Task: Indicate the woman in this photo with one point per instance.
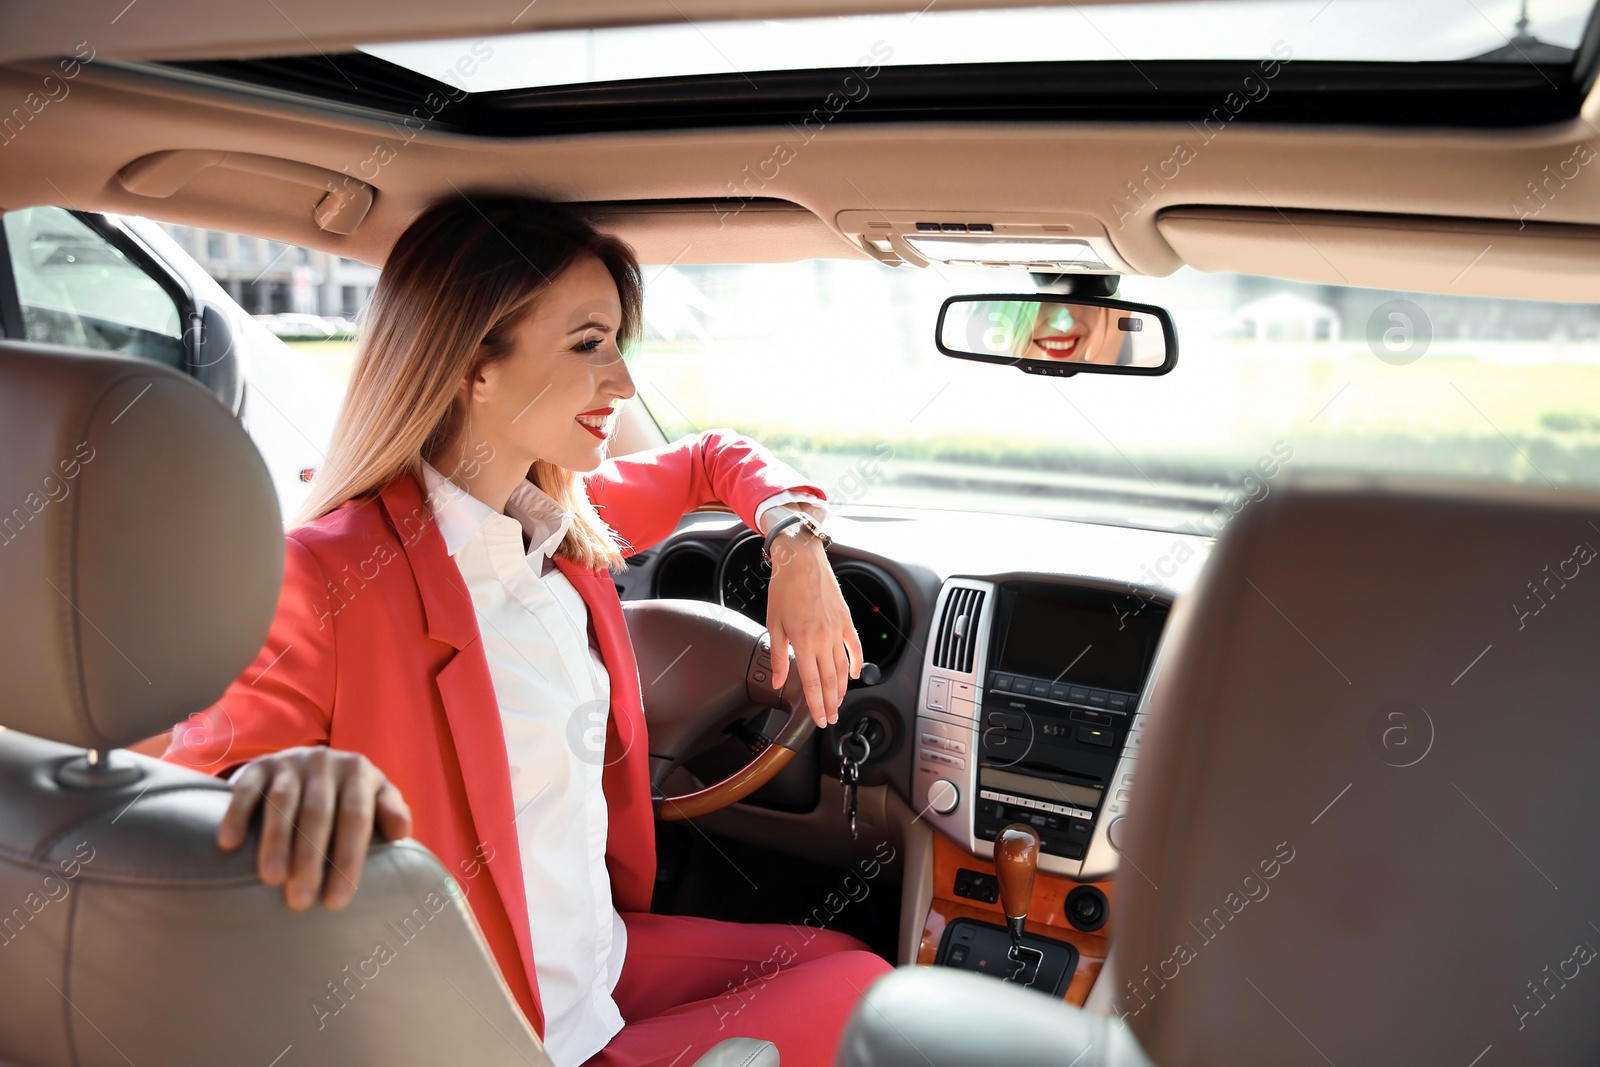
(448, 626)
(1073, 333)
(1064, 333)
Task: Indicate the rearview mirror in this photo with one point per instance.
(1058, 335)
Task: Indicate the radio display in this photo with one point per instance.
(1078, 636)
(1028, 785)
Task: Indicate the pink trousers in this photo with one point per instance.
(688, 983)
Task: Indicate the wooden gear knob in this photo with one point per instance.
(1016, 860)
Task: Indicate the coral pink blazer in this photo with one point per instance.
(375, 649)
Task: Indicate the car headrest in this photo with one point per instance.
(1363, 819)
(141, 546)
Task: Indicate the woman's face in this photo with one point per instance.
(554, 397)
(1072, 333)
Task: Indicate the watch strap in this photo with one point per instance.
(797, 517)
(777, 528)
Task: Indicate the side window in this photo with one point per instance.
(76, 288)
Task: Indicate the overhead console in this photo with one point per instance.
(1056, 242)
(1029, 712)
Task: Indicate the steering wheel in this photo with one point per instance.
(701, 666)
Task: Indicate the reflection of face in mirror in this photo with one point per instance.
(1073, 333)
(1035, 332)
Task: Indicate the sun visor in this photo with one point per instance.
(1467, 257)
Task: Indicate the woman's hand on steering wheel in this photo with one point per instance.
(806, 609)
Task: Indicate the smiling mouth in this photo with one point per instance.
(595, 422)
(1060, 347)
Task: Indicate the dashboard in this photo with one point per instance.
(1030, 713)
(1014, 655)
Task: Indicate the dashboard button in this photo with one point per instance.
(1118, 702)
(1099, 697)
(1115, 832)
(1041, 688)
(1000, 681)
(1058, 691)
(939, 694)
(1095, 735)
(962, 691)
(1079, 693)
(943, 796)
(1007, 720)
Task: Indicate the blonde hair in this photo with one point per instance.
(462, 277)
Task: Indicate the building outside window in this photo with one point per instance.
(268, 277)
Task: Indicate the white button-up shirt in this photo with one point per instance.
(547, 676)
(553, 691)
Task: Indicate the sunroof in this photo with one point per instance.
(1382, 31)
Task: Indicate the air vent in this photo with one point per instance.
(958, 629)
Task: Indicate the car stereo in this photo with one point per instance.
(1030, 713)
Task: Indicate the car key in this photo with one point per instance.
(854, 749)
(849, 773)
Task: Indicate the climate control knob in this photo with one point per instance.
(943, 796)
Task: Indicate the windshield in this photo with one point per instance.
(832, 364)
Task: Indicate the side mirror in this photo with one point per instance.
(1058, 335)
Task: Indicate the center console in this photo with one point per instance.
(1029, 712)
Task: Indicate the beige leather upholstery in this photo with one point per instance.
(140, 582)
(1362, 827)
(142, 549)
(1398, 687)
(936, 1017)
(128, 934)
(740, 1052)
(134, 594)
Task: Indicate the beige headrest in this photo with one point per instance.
(141, 548)
(1363, 826)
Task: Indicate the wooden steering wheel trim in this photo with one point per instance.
(797, 729)
(732, 789)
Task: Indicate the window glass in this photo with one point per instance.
(1488, 31)
(832, 364)
(78, 289)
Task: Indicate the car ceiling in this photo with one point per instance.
(1427, 208)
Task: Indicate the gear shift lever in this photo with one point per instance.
(1016, 861)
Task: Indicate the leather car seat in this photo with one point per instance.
(1363, 824)
(141, 554)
